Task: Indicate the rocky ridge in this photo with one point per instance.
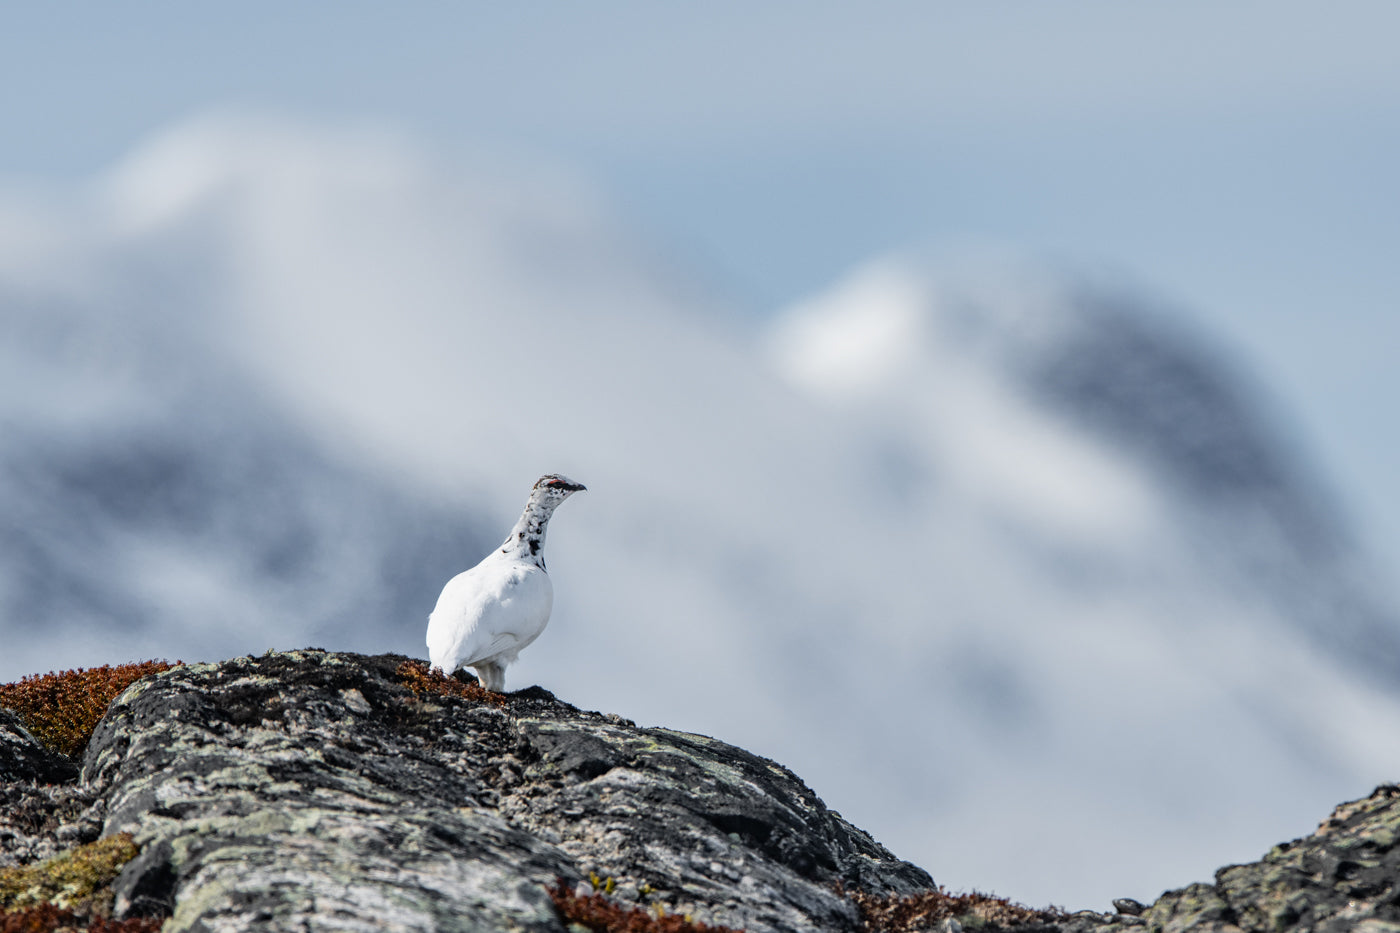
(315, 790)
(309, 788)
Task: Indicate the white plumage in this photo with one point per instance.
(487, 614)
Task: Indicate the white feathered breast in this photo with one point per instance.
(492, 610)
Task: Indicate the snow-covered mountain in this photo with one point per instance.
(1132, 587)
(1109, 434)
(1019, 575)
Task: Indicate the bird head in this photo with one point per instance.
(554, 487)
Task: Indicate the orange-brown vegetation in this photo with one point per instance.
(922, 911)
(601, 914)
(62, 709)
(46, 918)
(422, 679)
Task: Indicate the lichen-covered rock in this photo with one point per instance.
(40, 817)
(39, 821)
(310, 789)
(1345, 876)
(23, 758)
(313, 790)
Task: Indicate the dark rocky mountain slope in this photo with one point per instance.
(312, 790)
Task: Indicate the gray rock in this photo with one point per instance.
(22, 758)
(39, 816)
(38, 821)
(1345, 876)
(308, 789)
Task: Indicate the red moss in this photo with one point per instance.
(422, 679)
(62, 709)
(46, 918)
(602, 914)
(922, 911)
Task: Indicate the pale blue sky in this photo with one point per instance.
(1237, 158)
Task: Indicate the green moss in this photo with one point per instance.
(69, 879)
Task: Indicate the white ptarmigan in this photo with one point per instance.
(485, 615)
